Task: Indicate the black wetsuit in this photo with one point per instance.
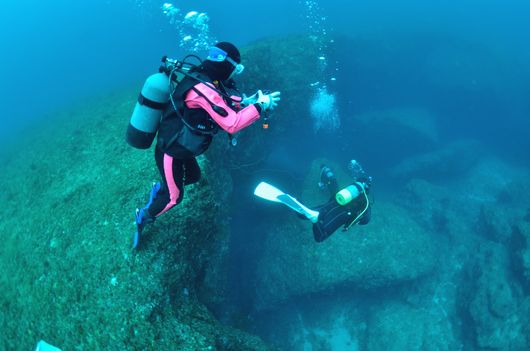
(332, 215)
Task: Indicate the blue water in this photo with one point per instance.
(57, 52)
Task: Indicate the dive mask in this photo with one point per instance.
(219, 55)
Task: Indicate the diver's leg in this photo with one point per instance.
(328, 180)
(172, 189)
(192, 171)
(164, 195)
(333, 187)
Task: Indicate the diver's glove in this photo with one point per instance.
(269, 101)
(249, 100)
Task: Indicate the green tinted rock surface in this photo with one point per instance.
(402, 327)
(68, 273)
(498, 312)
(391, 250)
(453, 159)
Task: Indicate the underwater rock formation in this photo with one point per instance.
(280, 63)
(452, 160)
(391, 250)
(495, 225)
(409, 124)
(498, 312)
(397, 326)
(481, 220)
(69, 275)
(520, 246)
(368, 131)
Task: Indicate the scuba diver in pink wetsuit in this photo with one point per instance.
(186, 107)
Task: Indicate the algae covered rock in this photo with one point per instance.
(413, 124)
(288, 64)
(495, 307)
(68, 273)
(520, 251)
(495, 223)
(391, 250)
(397, 326)
(392, 126)
(430, 204)
(487, 201)
(452, 160)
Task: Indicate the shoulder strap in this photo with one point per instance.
(218, 109)
(359, 215)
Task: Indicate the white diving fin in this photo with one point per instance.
(44, 346)
(271, 193)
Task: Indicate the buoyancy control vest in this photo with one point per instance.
(185, 132)
(161, 109)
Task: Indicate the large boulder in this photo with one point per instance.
(391, 250)
(280, 63)
(397, 326)
(416, 125)
(455, 159)
(511, 210)
(486, 200)
(69, 275)
(388, 128)
(499, 191)
(495, 222)
(428, 203)
(496, 307)
(493, 180)
(520, 251)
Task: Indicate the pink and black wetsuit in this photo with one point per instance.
(186, 131)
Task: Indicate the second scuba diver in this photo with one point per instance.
(345, 208)
(204, 101)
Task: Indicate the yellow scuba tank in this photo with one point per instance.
(346, 195)
(148, 111)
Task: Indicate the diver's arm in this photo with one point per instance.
(204, 97)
